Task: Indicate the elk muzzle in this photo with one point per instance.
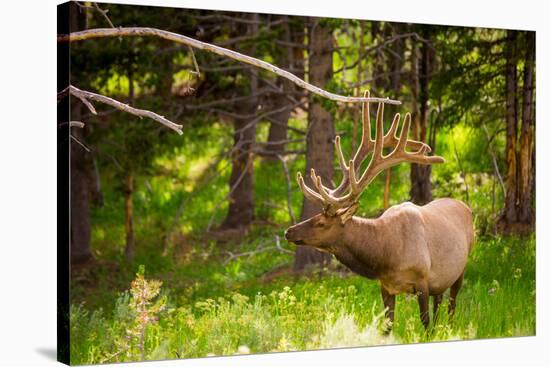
(291, 236)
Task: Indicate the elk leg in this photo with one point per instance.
(389, 304)
(424, 303)
(437, 301)
(454, 291)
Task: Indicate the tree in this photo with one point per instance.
(319, 149)
(518, 214)
(395, 63)
(509, 214)
(422, 58)
(81, 166)
(240, 212)
(526, 200)
(292, 40)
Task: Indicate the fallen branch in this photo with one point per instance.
(85, 96)
(145, 31)
(258, 250)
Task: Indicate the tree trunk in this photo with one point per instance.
(240, 212)
(358, 91)
(395, 66)
(525, 198)
(509, 214)
(80, 195)
(129, 217)
(279, 125)
(320, 148)
(421, 186)
(379, 81)
(396, 61)
(80, 169)
(387, 186)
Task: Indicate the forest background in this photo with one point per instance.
(205, 212)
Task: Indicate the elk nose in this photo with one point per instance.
(286, 234)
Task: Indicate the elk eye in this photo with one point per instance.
(320, 224)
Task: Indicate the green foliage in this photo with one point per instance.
(202, 297)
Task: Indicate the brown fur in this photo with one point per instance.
(411, 249)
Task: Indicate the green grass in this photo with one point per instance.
(219, 307)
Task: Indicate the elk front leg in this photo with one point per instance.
(424, 302)
(389, 304)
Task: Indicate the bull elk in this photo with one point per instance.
(413, 249)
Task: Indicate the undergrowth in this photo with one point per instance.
(226, 308)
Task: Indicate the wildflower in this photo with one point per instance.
(243, 349)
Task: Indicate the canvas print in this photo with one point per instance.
(233, 183)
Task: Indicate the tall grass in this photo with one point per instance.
(213, 304)
(228, 309)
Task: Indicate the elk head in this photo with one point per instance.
(324, 230)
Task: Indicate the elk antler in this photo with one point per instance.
(333, 200)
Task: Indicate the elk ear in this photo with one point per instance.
(346, 213)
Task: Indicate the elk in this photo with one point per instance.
(419, 250)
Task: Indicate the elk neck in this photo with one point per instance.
(362, 249)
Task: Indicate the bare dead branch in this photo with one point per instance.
(80, 143)
(85, 96)
(104, 13)
(76, 124)
(144, 31)
(494, 159)
(280, 142)
(239, 20)
(273, 121)
(227, 101)
(195, 64)
(384, 45)
(96, 7)
(288, 190)
(268, 153)
(72, 124)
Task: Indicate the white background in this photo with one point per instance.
(28, 181)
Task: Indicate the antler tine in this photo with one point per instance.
(398, 155)
(379, 134)
(366, 141)
(392, 132)
(341, 158)
(308, 193)
(334, 199)
(377, 157)
(418, 156)
(323, 190)
(324, 194)
(340, 154)
(402, 141)
(362, 151)
(352, 178)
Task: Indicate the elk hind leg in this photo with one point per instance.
(389, 304)
(454, 292)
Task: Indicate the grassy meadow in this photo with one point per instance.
(189, 294)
